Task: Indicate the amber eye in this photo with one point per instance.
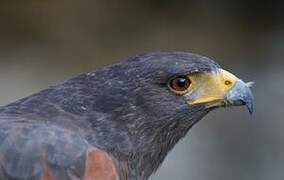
(180, 83)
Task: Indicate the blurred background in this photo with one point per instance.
(43, 42)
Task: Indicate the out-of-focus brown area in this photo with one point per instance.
(43, 42)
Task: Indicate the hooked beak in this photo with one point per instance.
(217, 89)
(240, 95)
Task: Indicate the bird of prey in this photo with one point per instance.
(114, 123)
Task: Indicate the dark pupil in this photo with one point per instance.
(181, 82)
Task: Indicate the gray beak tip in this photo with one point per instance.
(241, 95)
(250, 107)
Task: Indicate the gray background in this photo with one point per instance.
(45, 41)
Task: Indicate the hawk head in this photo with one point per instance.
(150, 101)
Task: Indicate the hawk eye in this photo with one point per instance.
(180, 83)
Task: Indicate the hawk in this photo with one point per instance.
(114, 123)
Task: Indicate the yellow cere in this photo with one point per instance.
(210, 87)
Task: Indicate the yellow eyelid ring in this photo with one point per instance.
(220, 88)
